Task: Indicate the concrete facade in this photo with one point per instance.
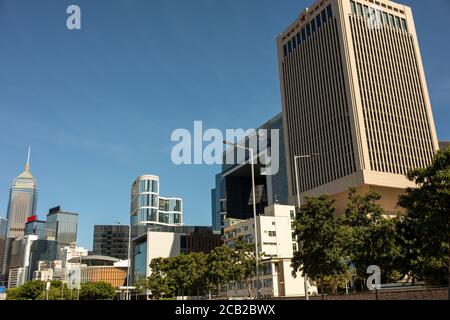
(276, 241)
(353, 90)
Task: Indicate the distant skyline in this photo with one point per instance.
(98, 105)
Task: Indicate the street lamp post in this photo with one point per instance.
(254, 209)
(128, 266)
(297, 186)
(79, 279)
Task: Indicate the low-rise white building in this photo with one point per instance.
(17, 277)
(277, 242)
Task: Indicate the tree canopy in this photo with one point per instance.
(424, 229)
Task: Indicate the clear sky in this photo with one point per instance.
(98, 105)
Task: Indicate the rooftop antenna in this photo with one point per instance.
(27, 166)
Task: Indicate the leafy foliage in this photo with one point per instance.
(320, 255)
(200, 273)
(369, 236)
(97, 291)
(35, 290)
(424, 230)
(32, 290)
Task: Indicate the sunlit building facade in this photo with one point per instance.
(354, 91)
(61, 226)
(21, 205)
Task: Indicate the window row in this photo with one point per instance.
(170, 205)
(148, 200)
(379, 17)
(308, 30)
(148, 186)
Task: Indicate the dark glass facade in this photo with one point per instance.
(140, 261)
(232, 196)
(35, 227)
(111, 241)
(62, 227)
(42, 250)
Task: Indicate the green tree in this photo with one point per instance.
(97, 291)
(320, 255)
(13, 294)
(159, 282)
(243, 263)
(424, 229)
(369, 236)
(32, 290)
(197, 270)
(220, 268)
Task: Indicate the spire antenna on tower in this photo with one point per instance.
(27, 166)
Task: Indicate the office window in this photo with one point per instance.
(404, 26)
(385, 19)
(303, 34)
(378, 16)
(318, 23)
(397, 22)
(324, 16)
(329, 11)
(366, 11)
(308, 31)
(299, 39)
(353, 5)
(313, 25)
(289, 47)
(359, 9)
(391, 20)
(294, 43)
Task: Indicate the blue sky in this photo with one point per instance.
(98, 105)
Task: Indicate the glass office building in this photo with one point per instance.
(140, 261)
(111, 241)
(62, 227)
(42, 250)
(232, 195)
(149, 207)
(35, 227)
(21, 205)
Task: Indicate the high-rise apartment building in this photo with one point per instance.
(22, 204)
(148, 207)
(111, 241)
(61, 226)
(354, 91)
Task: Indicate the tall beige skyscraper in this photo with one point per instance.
(353, 90)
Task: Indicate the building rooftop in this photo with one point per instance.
(95, 260)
